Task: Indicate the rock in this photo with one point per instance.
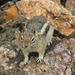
(70, 5)
(62, 20)
(66, 57)
(21, 64)
(61, 73)
(2, 48)
(68, 71)
(11, 13)
(55, 61)
(58, 1)
(44, 68)
(15, 71)
(12, 54)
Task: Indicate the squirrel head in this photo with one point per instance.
(28, 38)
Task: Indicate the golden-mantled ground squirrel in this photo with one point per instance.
(36, 36)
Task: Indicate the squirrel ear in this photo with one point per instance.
(24, 29)
(33, 31)
(36, 33)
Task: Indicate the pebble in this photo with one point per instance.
(12, 54)
(2, 48)
(61, 73)
(68, 71)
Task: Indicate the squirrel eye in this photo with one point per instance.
(32, 40)
(21, 38)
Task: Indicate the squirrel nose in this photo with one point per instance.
(26, 46)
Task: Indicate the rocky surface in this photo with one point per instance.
(62, 19)
(7, 32)
(15, 71)
(70, 5)
(57, 1)
(59, 59)
(9, 14)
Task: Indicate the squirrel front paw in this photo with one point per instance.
(26, 62)
(39, 60)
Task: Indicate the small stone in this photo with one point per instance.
(66, 57)
(25, 69)
(68, 71)
(52, 60)
(2, 48)
(61, 73)
(6, 52)
(57, 64)
(4, 64)
(58, 49)
(46, 60)
(7, 59)
(12, 54)
(18, 49)
(44, 68)
(21, 64)
(58, 58)
(74, 55)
